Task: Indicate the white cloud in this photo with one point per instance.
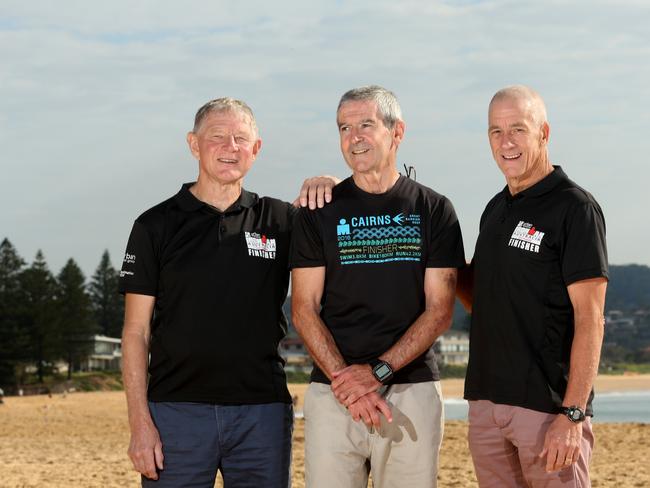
(95, 102)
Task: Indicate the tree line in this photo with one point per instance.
(45, 318)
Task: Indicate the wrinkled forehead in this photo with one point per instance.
(228, 116)
(511, 108)
(352, 110)
(525, 108)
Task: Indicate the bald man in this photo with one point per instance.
(536, 288)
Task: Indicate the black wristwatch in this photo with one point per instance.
(381, 370)
(574, 413)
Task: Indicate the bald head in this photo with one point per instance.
(518, 133)
(529, 98)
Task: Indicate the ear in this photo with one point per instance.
(193, 143)
(546, 131)
(398, 134)
(256, 148)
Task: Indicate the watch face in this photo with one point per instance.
(382, 371)
(575, 414)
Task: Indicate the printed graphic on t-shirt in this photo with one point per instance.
(370, 239)
(526, 237)
(260, 245)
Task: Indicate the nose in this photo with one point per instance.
(506, 140)
(230, 142)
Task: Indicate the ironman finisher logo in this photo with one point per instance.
(260, 245)
(526, 237)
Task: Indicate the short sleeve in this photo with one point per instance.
(306, 241)
(584, 250)
(445, 247)
(140, 266)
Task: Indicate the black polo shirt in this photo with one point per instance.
(220, 279)
(529, 249)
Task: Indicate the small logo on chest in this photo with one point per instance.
(526, 237)
(260, 245)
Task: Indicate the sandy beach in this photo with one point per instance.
(80, 441)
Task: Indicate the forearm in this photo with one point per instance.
(318, 339)
(439, 290)
(418, 338)
(585, 355)
(135, 353)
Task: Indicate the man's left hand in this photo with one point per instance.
(351, 383)
(316, 191)
(369, 408)
(562, 443)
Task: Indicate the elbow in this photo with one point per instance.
(295, 317)
(446, 323)
(303, 315)
(298, 316)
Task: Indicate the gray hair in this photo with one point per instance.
(225, 104)
(387, 104)
(526, 94)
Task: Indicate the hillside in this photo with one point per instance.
(627, 335)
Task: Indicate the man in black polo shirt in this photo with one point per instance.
(205, 275)
(381, 260)
(539, 276)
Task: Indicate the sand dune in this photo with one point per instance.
(81, 441)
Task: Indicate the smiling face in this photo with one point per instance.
(368, 146)
(518, 137)
(225, 144)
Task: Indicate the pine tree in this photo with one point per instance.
(107, 303)
(74, 315)
(38, 294)
(13, 337)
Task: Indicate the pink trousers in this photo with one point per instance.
(505, 443)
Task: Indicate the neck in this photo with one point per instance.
(376, 181)
(541, 171)
(219, 195)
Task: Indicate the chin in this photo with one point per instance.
(511, 171)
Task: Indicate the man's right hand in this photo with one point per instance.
(368, 408)
(316, 192)
(145, 449)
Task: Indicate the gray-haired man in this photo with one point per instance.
(205, 275)
(381, 259)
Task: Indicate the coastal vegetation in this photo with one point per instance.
(47, 322)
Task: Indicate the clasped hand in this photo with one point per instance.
(355, 387)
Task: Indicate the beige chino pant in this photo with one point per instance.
(340, 452)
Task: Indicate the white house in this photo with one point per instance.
(452, 347)
(106, 354)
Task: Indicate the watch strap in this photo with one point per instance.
(574, 413)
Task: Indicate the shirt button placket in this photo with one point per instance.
(222, 227)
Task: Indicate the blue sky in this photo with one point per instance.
(96, 99)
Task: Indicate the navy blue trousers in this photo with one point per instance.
(249, 444)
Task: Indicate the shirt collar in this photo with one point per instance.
(188, 202)
(545, 185)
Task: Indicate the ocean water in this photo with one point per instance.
(629, 406)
